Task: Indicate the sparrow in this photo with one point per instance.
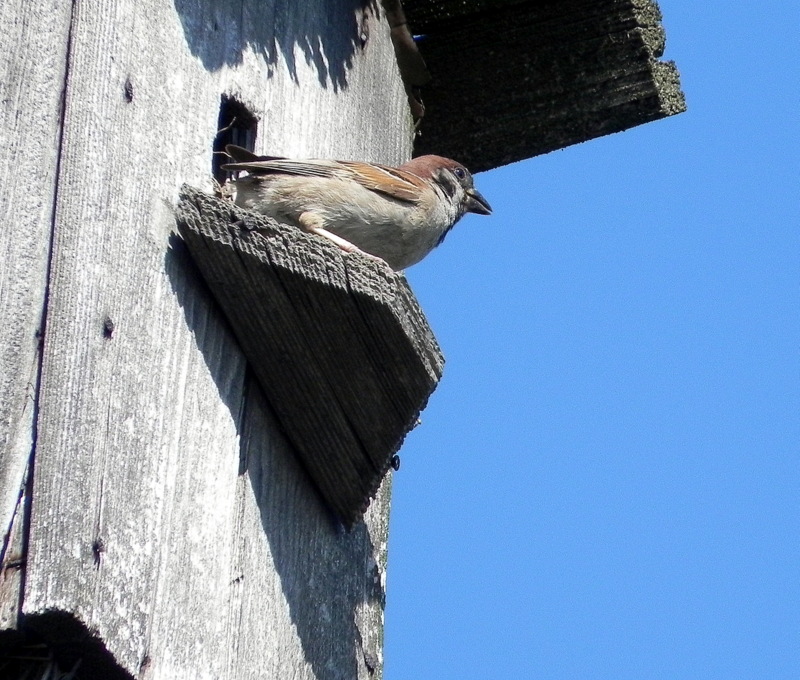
(398, 215)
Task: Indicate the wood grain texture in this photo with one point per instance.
(12, 567)
(32, 66)
(532, 77)
(143, 493)
(338, 343)
(298, 580)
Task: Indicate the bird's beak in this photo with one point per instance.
(477, 203)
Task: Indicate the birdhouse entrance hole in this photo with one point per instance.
(236, 126)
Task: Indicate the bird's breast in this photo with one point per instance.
(399, 232)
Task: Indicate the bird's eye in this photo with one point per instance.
(460, 173)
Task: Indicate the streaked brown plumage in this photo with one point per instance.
(396, 214)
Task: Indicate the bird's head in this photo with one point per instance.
(452, 180)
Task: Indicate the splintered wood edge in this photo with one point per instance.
(375, 290)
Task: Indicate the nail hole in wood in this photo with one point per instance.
(128, 90)
(108, 328)
(98, 548)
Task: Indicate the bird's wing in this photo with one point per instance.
(391, 182)
(243, 159)
(285, 166)
(241, 155)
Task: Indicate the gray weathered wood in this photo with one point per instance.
(324, 586)
(149, 529)
(511, 79)
(12, 566)
(33, 37)
(338, 343)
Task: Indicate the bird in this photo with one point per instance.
(397, 215)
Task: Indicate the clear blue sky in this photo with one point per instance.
(605, 484)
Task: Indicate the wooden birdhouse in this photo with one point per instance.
(200, 407)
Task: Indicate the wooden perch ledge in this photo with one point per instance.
(337, 342)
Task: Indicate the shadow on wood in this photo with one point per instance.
(338, 343)
(286, 544)
(329, 35)
(56, 644)
(329, 577)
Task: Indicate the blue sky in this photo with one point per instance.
(605, 483)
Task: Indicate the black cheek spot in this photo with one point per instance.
(445, 181)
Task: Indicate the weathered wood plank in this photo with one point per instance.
(140, 494)
(532, 77)
(324, 587)
(12, 566)
(338, 343)
(33, 36)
